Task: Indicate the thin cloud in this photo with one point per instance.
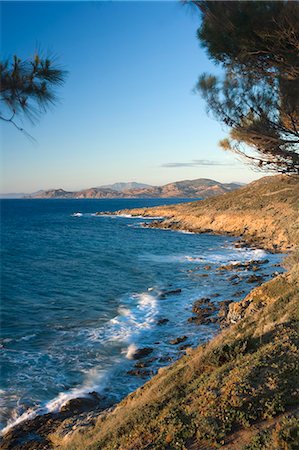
(196, 163)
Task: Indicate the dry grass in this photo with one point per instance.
(266, 211)
(245, 381)
(247, 374)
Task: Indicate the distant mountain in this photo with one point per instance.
(200, 188)
(120, 187)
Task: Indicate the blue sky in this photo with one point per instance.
(127, 111)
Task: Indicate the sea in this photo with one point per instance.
(81, 293)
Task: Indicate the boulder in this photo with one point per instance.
(162, 321)
(142, 352)
(82, 404)
(199, 320)
(178, 340)
(255, 279)
(165, 293)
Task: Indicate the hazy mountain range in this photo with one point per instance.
(200, 188)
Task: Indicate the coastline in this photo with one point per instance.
(87, 408)
(263, 213)
(234, 314)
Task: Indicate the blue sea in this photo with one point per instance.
(80, 293)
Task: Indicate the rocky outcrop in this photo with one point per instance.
(263, 213)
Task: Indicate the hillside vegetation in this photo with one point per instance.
(239, 391)
(265, 211)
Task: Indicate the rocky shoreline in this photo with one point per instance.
(263, 214)
(276, 231)
(83, 412)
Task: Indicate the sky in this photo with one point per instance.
(127, 111)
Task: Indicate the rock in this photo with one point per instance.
(213, 319)
(162, 321)
(199, 320)
(178, 340)
(81, 404)
(142, 352)
(140, 373)
(170, 292)
(223, 309)
(255, 279)
(206, 310)
(215, 295)
(196, 308)
(240, 244)
(183, 347)
(233, 277)
(238, 293)
(143, 364)
(261, 261)
(165, 359)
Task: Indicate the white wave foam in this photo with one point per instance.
(130, 351)
(124, 328)
(131, 216)
(77, 214)
(95, 381)
(186, 232)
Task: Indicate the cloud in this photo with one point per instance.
(196, 163)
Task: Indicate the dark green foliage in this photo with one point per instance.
(27, 87)
(258, 98)
(227, 352)
(283, 436)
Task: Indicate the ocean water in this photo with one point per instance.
(81, 292)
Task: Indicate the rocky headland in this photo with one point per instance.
(264, 212)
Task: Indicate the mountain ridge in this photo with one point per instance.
(199, 188)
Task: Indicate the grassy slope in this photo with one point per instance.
(241, 389)
(266, 210)
(246, 375)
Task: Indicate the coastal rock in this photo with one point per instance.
(224, 309)
(178, 340)
(196, 308)
(142, 352)
(165, 293)
(162, 321)
(183, 347)
(233, 277)
(255, 279)
(140, 373)
(82, 404)
(238, 293)
(143, 364)
(165, 359)
(200, 320)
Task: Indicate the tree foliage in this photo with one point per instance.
(257, 44)
(27, 88)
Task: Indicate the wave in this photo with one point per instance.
(136, 314)
(96, 380)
